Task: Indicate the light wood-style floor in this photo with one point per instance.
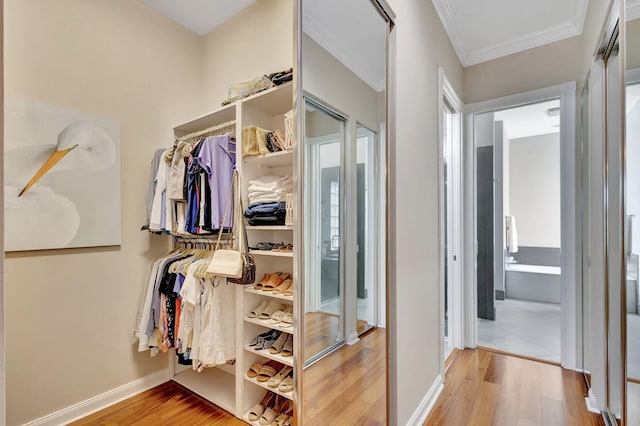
(348, 388)
(168, 404)
(320, 332)
(486, 388)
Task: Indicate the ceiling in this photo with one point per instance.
(479, 30)
(529, 120)
(489, 29)
(199, 16)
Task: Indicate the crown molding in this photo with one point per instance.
(632, 10)
(335, 47)
(445, 13)
(528, 41)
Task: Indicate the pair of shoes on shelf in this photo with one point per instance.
(282, 317)
(265, 340)
(267, 335)
(266, 246)
(270, 282)
(272, 410)
(265, 310)
(283, 345)
(285, 288)
(283, 381)
(286, 248)
(264, 372)
(277, 380)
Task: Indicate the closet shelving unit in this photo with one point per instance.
(228, 386)
(266, 112)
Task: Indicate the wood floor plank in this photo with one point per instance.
(348, 388)
(487, 388)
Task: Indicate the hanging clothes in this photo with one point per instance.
(191, 186)
(182, 309)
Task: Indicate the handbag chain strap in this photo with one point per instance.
(226, 207)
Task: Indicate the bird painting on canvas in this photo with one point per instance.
(47, 184)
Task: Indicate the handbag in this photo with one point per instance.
(248, 261)
(226, 262)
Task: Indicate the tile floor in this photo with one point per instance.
(524, 328)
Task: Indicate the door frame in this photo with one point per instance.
(569, 222)
(455, 303)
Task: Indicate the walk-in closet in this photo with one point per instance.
(205, 138)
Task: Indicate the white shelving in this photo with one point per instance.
(288, 395)
(269, 228)
(227, 386)
(271, 253)
(270, 294)
(213, 384)
(271, 161)
(265, 323)
(287, 360)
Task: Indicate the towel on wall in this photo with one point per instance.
(512, 234)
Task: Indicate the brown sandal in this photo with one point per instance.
(262, 282)
(283, 286)
(268, 370)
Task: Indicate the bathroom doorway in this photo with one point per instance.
(450, 201)
(519, 233)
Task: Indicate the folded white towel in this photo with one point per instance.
(271, 182)
(284, 190)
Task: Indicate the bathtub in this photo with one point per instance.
(532, 282)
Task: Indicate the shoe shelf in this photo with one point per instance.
(271, 253)
(287, 360)
(265, 323)
(270, 294)
(288, 395)
(270, 228)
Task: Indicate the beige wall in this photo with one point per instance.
(256, 41)
(70, 313)
(328, 79)
(422, 45)
(544, 66)
(633, 44)
(532, 69)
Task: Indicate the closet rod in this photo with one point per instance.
(226, 237)
(229, 125)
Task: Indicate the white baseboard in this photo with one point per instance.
(99, 402)
(424, 408)
(592, 404)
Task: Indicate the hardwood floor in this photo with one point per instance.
(167, 404)
(348, 387)
(486, 388)
(320, 332)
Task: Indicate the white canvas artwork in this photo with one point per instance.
(62, 177)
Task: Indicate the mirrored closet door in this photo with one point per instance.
(632, 204)
(342, 101)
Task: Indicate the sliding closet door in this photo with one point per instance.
(324, 304)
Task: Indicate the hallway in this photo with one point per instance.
(485, 388)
